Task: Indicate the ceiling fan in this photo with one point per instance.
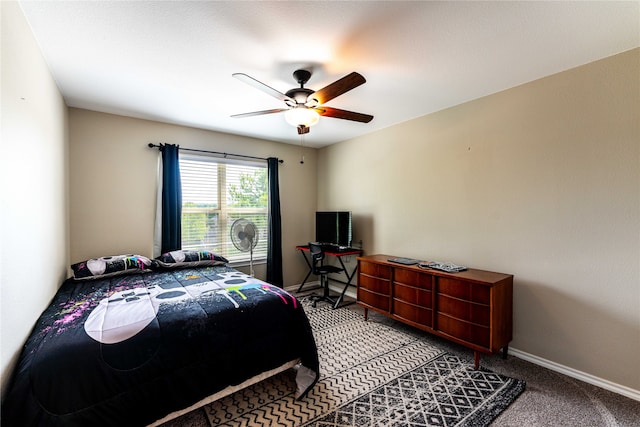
(305, 106)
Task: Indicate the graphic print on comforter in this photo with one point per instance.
(124, 314)
(155, 340)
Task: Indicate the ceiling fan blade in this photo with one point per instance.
(263, 87)
(338, 87)
(259, 113)
(344, 114)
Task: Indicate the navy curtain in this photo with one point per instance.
(274, 251)
(171, 199)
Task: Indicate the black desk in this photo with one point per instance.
(335, 252)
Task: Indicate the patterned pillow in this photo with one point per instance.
(187, 258)
(108, 266)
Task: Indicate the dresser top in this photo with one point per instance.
(471, 274)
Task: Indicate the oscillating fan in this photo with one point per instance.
(244, 236)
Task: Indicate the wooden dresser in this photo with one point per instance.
(472, 307)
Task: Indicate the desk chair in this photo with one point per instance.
(317, 257)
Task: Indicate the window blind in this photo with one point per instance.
(215, 193)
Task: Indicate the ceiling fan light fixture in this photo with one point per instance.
(301, 116)
(305, 106)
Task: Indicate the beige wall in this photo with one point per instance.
(541, 181)
(112, 176)
(33, 219)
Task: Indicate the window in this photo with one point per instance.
(216, 192)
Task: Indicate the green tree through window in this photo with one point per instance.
(194, 224)
(252, 191)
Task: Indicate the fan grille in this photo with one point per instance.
(244, 235)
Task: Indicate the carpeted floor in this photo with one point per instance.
(373, 374)
(551, 399)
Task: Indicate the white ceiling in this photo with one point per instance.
(172, 61)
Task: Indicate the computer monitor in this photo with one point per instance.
(334, 228)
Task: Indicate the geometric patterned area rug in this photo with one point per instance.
(371, 375)
(442, 392)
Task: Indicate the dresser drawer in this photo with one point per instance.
(373, 299)
(464, 310)
(412, 295)
(376, 270)
(412, 278)
(375, 284)
(465, 331)
(464, 290)
(413, 313)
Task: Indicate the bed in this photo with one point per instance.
(139, 345)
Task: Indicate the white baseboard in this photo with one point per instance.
(307, 285)
(351, 292)
(574, 373)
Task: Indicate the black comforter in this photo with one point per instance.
(129, 350)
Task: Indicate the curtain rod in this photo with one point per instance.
(151, 145)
